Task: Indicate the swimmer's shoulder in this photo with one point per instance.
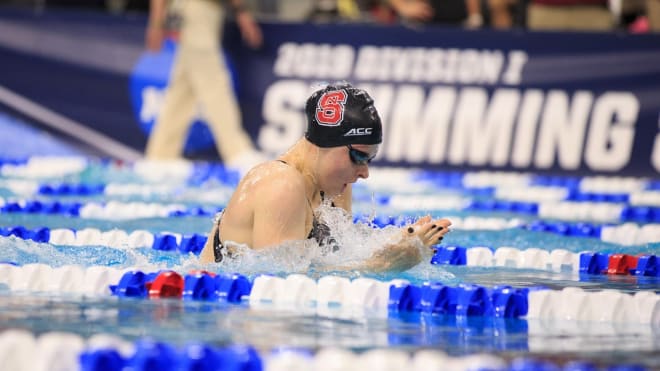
(275, 176)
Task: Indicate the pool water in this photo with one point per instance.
(180, 199)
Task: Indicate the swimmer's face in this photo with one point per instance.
(344, 165)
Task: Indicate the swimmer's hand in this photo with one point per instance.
(430, 232)
(414, 245)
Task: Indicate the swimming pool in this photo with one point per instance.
(539, 272)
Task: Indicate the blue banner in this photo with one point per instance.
(569, 103)
(454, 99)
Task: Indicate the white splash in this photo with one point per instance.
(349, 245)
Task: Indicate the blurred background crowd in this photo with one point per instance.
(637, 16)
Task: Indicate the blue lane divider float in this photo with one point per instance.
(494, 205)
(202, 173)
(157, 355)
(189, 244)
(101, 360)
(12, 161)
(653, 185)
(62, 350)
(151, 355)
(590, 262)
(74, 209)
(486, 202)
(68, 189)
(165, 242)
(594, 262)
(619, 264)
(37, 235)
(195, 211)
(462, 300)
(201, 285)
(131, 285)
(640, 214)
(440, 179)
(450, 255)
(452, 181)
(565, 229)
(628, 213)
(193, 243)
(231, 288)
(647, 265)
(578, 196)
(381, 221)
(571, 229)
(395, 298)
(43, 207)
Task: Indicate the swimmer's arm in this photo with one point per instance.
(412, 246)
(394, 257)
(279, 213)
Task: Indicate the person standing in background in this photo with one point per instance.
(199, 79)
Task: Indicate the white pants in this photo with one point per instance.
(199, 81)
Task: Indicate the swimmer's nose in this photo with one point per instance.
(363, 171)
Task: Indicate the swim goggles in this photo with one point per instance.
(359, 157)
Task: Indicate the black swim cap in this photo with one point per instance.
(340, 114)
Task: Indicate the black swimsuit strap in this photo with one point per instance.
(217, 243)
